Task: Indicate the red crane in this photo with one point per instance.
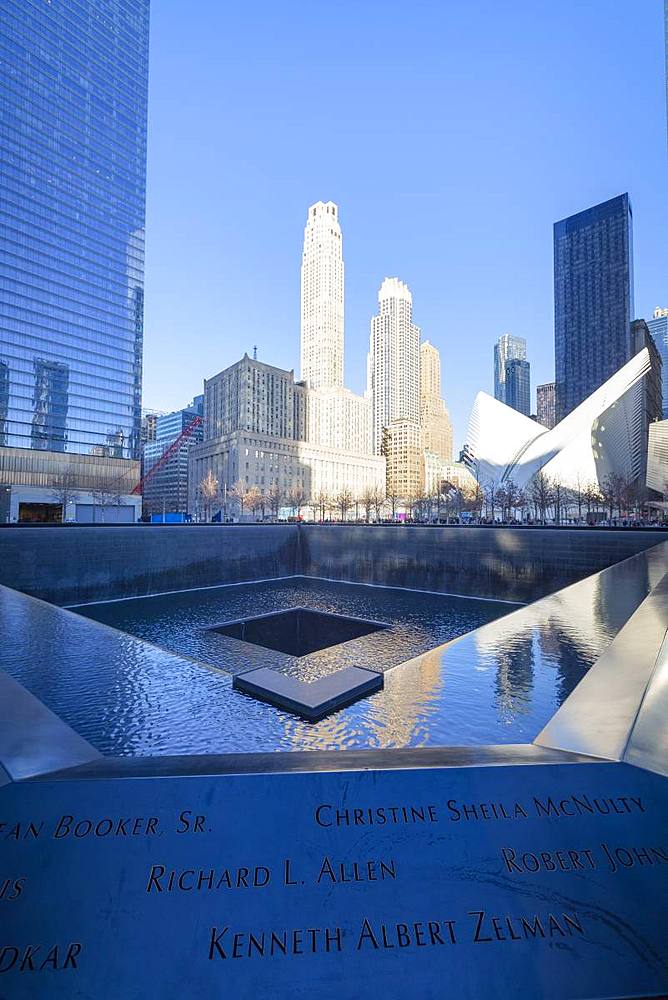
(168, 452)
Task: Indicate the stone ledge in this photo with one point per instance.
(310, 701)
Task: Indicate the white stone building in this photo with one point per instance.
(393, 366)
(322, 298)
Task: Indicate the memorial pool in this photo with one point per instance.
(491, 685)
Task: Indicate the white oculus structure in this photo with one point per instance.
(600, 437)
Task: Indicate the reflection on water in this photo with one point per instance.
(183, 622)
(498, 684)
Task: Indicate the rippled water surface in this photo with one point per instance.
(174, 695)
(183, 623)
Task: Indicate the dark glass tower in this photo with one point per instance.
(593, 299)
(73, 109)
(518, 385)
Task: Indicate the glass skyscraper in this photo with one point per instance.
(506, 348)
(658, 327)
(73, 112)
(593, 299)
(518, 385)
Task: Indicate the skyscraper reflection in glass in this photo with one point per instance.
(593, 299)
(73, 146)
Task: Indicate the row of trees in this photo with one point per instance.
(544, 500)
(548, 499)
(105, 491)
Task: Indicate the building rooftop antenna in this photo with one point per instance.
(254, 352)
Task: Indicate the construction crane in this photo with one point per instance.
(168, 452)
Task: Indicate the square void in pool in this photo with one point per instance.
(298, 631)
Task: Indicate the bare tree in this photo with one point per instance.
(238, 493)
(322, 502)
(296, 499)
(344, 501)
(378, 502)
(540, 495)
(208, 491)
(254, 501)
(366, 500)
(106, 491)
(558, 497)
(608, 494)
(65, 491)
(275, 499)
(394, 500)
(490, 493)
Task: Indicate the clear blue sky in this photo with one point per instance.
(451, 133)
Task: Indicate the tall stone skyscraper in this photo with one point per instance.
(393, 365)
(322, 298)
(434, 417)
(507, 348)
(593, 299)
(74, 109)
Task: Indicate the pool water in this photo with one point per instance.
(499, 682)
(188, 623)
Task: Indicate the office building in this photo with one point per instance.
(322, 298)
(593, 299)
(165, 464)
(256, 433)
(149, 425)
(74, 105)
(393, 364)
(545, 403)
(650, 402)
(435, 422)
(506, 349)
(338, 418)
(658, 327)
(518, 385)
(404, 455)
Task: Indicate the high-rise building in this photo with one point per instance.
(593, 299)
(650, 404)
(256, 433)
(393, 366)
(166, 490)
(73, 109)
(338, 418)
(322, 298)
(402, 448)
(545, 412)
(518, 385)
(434, 417)
(149, 424)
(658, 327)
(506, 348)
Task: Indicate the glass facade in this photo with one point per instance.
(658, 327)
(167, 489)
(593, 299)
(518, 385)
(73, 147)
(506, 348)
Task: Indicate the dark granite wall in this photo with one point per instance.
(70, 566)
(75, 565)
(510, 564)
